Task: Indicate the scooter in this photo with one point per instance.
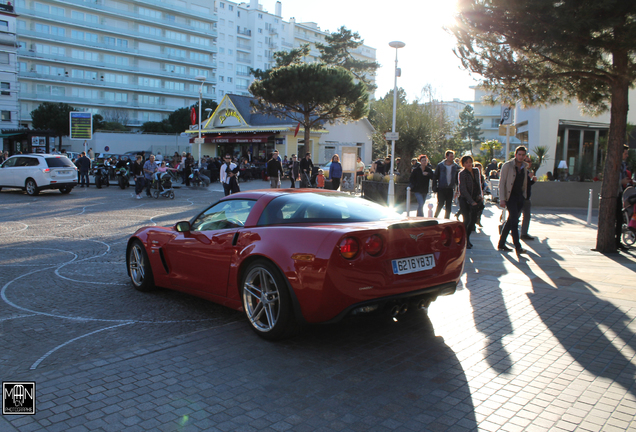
(122, 178)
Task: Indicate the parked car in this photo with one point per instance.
(296, 256)
(36, 172)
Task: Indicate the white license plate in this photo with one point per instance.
(413, 264)
(63, 172)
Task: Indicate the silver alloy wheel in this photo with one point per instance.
(31, 187)
(261, 299)
(136, 265)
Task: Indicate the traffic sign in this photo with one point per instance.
(199, 140)
(392, 136)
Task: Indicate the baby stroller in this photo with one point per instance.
(162, 185)
(629, 202)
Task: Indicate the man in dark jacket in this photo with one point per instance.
(274, 171)
(294, 170)
(84, 165)
(527, 204)
(445, 181)
(419, 181)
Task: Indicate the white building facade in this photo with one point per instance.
(130, 61)
(9, 107)
(248, 37)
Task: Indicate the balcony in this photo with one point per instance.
(243, 47)
(244, 60)
(244, 32)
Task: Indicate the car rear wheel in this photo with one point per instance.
(139, 267)
(266, 301)
(31, 187)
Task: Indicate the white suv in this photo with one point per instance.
(34, 172)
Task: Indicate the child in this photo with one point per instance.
(320, 180)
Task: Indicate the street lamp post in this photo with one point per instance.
(202, 79)
(391, 193)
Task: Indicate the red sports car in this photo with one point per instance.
(287, 257)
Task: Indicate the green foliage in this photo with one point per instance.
(157, 127)
(422, 128)
(468, 126)
(338, 51)
(114, 126)
(310, 94)
(284, 58)
(54, 116)
(490, 147)
(98, 122)
(542, 155)
(179, 120)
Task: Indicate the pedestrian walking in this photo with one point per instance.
(470, 196)
(623, 182)
(306, 165)
(227, 175)
(274, 171)
(419, 181)
(335, 172)
(527, 204)
(294, 170)
(445, 181)
(513, 186)
(137, 170)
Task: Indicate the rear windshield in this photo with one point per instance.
(59, 162)
(323, 207)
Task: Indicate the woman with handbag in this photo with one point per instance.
(470, 196)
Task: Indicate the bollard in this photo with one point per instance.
(430, 210)
(589, 208)
(408, 201)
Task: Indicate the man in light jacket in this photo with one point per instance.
(513, 186)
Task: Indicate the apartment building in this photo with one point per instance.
(9, 107)
(248, 37)
(131, 61)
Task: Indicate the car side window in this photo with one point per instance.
(10, 163)
(223, 215)
(30, 161)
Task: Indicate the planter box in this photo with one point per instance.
(379, 191)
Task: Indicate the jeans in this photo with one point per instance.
(469, 214)
(84, 178)
(525, 224)
(139, 185)
(226, 189)
(444, 198)
(421, 199)
(514, 206)
(148, 183)
(335, 183)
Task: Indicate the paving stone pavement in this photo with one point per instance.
(542, 343)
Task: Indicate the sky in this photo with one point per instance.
(428, 56)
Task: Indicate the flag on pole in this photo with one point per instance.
(193, 116)
(297, 129)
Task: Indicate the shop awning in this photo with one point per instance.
(235, 138)
(5, 135)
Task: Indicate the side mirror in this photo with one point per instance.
(183, 226)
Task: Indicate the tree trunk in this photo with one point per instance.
(610, 191)
(307, 126)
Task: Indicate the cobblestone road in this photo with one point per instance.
(545, 343)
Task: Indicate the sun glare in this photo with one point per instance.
(439, 13)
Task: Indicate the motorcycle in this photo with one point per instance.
(122, 178)
(100, 172)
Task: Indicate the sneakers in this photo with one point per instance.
(526, 237)
(138, 196)
(504, 248)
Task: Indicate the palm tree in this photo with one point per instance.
(542, 155)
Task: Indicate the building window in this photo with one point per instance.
(222, 5)
(4, 58)
(6, 115)
(5, 86)
(230, 7)
(4, 25)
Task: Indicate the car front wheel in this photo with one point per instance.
(31, 187)
(66, 189)
(139, 267)
(267, 302)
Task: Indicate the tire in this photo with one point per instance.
(155, 193)
(122, 183)
(139, 268)
(98, 182)
(31, 187)
(65, 190)
(262, 284)
(171, 195)
(629, 237)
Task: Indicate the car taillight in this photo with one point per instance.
(349, 247)
(446, 235)
(374, 244)
(46, 170)
(458, 234)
